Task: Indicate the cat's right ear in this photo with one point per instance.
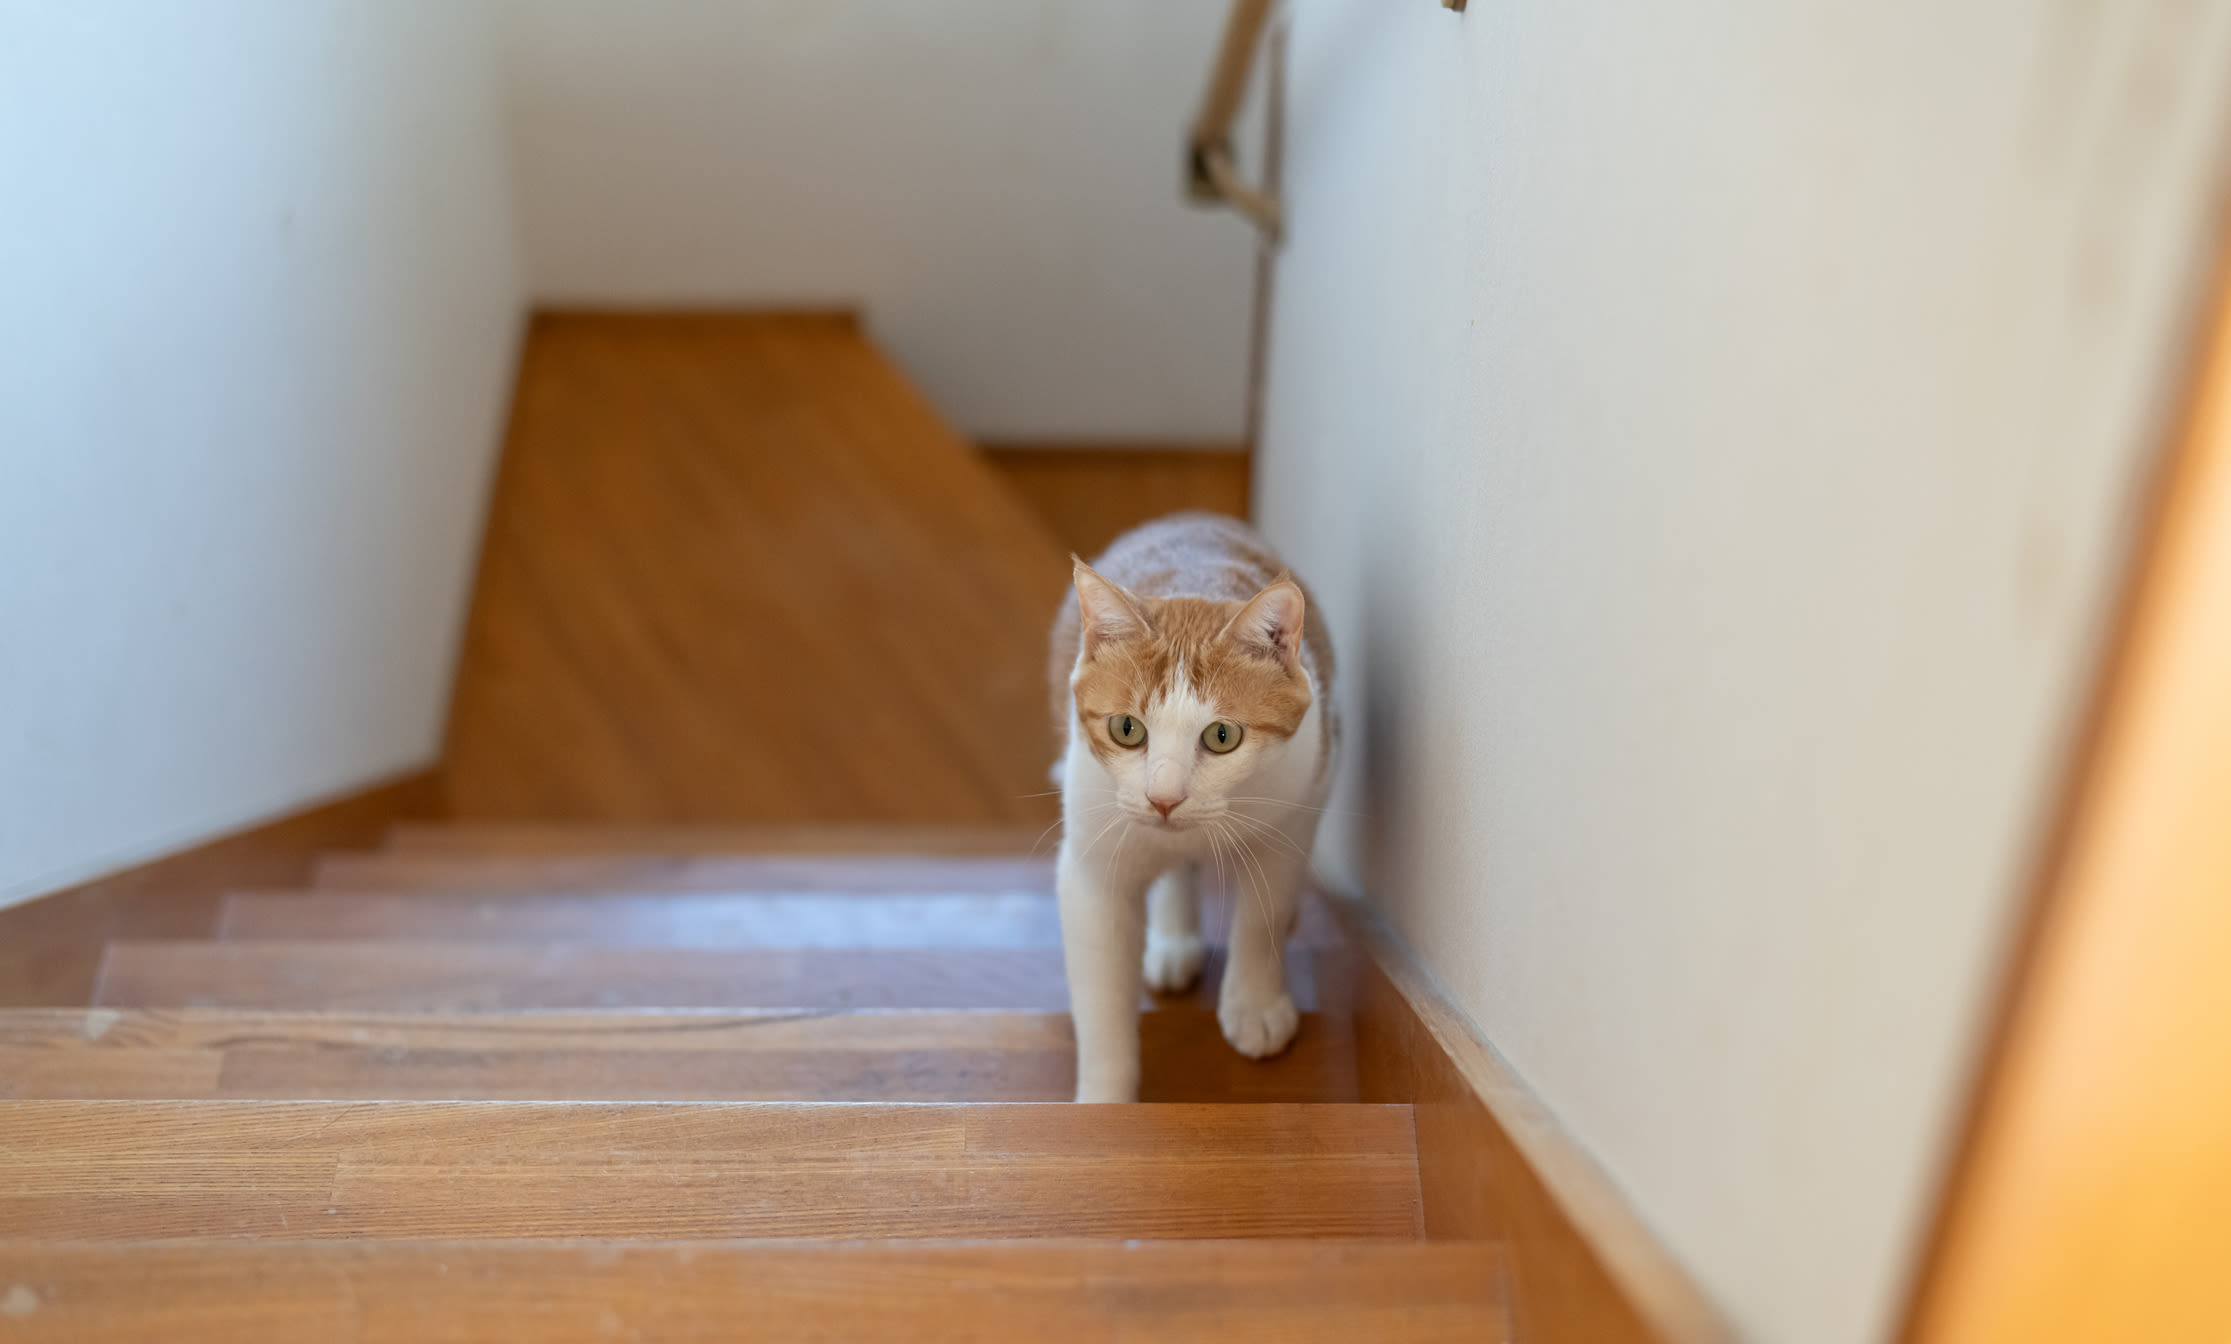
(1106, 611)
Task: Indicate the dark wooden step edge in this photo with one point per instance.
(559, 839)
(635, 1055)
(140, 1171)
(202, 1292)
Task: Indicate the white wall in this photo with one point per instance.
(995, 182)
(1711, 430)
(256, 264)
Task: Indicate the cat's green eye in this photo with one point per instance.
(1221, 737)
(1126, 730)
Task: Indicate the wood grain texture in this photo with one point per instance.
(1090, 495)
(400, 976)
(737, 570)
(500, 839)
(138, 1170)
(702, 919)
(50, 948)
(2091, 1198)
(1494, 1164)
(90, 1054)
(682, 872)
(248, 1292)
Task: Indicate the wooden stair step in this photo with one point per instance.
(683, 872)
(530, 839)
(86, 1054)
(557, 1293)
(736, 568)
(154, 1170)
(695, 919)
(699, 919)
(430, 976)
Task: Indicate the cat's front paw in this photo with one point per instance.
(1259, 1031)
(1173, 964)
(1104, 1087)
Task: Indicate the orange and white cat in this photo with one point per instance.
(1194, 690)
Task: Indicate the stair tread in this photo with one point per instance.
(685, 872)
(498, 839)
(463, 976)
(641, 1055)
(150, 1170)
(698, 919)
(715, 539)
(559, 1292)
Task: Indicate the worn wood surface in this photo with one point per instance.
(434, 976)
(737, 570)
(50, 948)
(774, 1055)
(140, 1170)
(700, 919)
(683, 872)
(499, 839)
(705, 919)
(248, 1292)
(1091, 494)
(1494, 1164)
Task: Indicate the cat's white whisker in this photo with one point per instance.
(1095, 842)
(1260, 892)
(1267, 831)
(1216, 855)
(1288, 802)
(1042, 837)
(1059, 823)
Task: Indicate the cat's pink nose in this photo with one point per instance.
(1163, 805)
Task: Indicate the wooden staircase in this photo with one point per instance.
(509, 1081)
(602, 1029)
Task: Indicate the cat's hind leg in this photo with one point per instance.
(1173, 929)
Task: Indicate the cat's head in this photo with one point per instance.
(1188, 702)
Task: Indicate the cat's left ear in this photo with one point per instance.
(1271, 622)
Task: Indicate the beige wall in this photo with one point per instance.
(994, 182)
(1712, 431)
(257, 272)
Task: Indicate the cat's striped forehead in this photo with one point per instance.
(1188, 575)
(1185, 654)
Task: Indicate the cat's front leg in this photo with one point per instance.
(1103, 932)
(1254, 1008)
